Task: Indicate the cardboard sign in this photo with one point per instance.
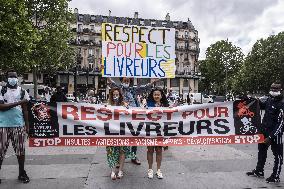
(138, 51)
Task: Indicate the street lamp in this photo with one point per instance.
(226, 72)
(79, 57)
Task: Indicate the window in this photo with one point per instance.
(92, 28)
(185, 56)
(26, 76)
(185, 83)
(175, 82)
(186, 34)
(186, 45)
(91, 52)
(80, 27)
(81, 18)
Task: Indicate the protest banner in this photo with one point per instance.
(83, 124)
(138, 51)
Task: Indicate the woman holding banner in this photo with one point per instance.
(130, 98)
(116, 154)
(156, 98)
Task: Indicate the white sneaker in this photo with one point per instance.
(150, 173)
(113, 176)
(159, 174)
(120, 174)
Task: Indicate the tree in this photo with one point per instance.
(263, 65)
(43, 34)
(17, 35)
(223, 60)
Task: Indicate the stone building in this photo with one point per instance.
(88, 38)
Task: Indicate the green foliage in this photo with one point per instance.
(223, 60)
(263, 65)
(35, 33)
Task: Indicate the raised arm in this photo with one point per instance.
(112, 83)
(146, 88)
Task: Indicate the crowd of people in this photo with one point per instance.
(14, 98)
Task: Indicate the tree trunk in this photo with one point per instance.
(35, 81)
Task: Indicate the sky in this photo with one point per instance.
(243, 22)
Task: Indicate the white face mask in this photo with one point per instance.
(13, 81)
(115, 98)
(275, 93)
(125, 85)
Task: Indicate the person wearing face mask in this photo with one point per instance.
(156, 98)
(130, 98)
(272, 129)
(116, 155)
(14, 121)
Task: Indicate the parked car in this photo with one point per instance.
(219, 98)
(200, 98)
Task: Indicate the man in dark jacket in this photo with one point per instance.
(272, 129)
(58, 96)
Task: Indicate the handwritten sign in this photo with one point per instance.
(138, 51)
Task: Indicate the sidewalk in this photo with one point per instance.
(49, 168)
(187, 167)
(193, 167)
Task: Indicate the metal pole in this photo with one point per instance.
(78, 56)
(226, 80)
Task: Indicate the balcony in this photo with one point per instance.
(182, 38)
(188, 74)
(86, 43)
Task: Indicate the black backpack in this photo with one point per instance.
(4, 91)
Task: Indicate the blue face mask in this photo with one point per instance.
(13, 81)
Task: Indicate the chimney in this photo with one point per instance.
(75, 11)
(168, 17)
(136, 15)
(109, 12)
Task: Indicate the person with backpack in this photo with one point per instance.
(272, 129)
(14, 121)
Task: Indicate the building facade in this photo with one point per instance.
(88, 38)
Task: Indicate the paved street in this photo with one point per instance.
(183, 167)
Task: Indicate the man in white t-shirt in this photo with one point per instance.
(14, 121)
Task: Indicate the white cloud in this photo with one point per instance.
(241, 21)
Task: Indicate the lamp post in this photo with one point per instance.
(79, 57)
(226, 54)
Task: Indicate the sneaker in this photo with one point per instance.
(113, 176)
(136, 161)
(255, 173)
(150, 173)
(272, 179)
(159, 174)
(24, 177)
(120, 174)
